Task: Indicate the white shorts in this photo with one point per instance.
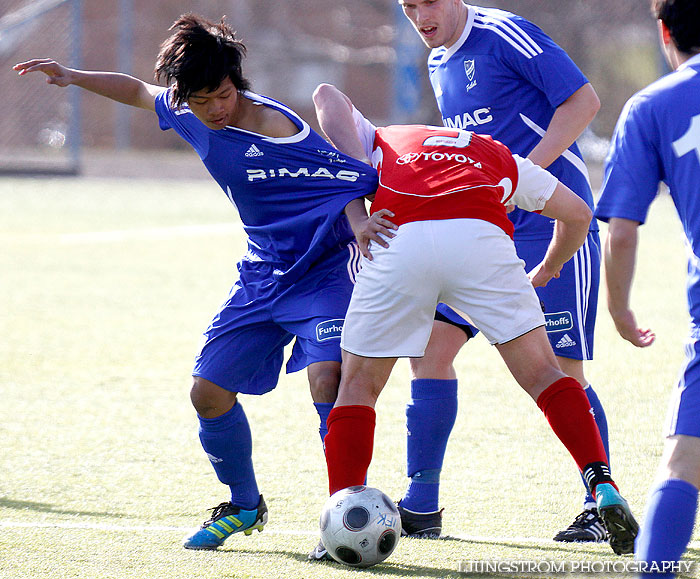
(469, 264)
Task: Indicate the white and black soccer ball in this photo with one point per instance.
(360, 526)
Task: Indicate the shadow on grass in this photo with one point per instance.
(386, 569)
(49, 508)
(389, 568)
(549, 548)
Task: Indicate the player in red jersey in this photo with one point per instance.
(449, 240)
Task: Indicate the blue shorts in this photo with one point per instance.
(684, 409)
(569, 302)
(244, 344)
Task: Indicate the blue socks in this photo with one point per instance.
(602, 422)
(229, 446)
(430, 416)
(323, 409)
(668, 524)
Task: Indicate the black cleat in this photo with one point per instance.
(420, 525)
(587, 527)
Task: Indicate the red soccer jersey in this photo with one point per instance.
(430, 173)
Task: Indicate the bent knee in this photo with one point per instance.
(682, 459)
(445, 343)
(210, 400)
(324, 378)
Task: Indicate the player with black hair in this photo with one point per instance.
(291, 189)
(657, 139)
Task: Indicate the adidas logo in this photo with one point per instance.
(565, 342)
(213, 458)
(254, 152)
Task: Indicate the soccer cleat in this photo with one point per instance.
(617, 517)
(319, 553)
(420, 525)
(586, 528)
(227, 519)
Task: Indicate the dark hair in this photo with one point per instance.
(200, 55)
(682, 18)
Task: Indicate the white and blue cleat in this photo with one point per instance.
(227, 519)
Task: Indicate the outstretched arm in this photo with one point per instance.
(113, 85)
(573, 218)
(620, 254)
(569, 121)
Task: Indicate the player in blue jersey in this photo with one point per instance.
(291, 189)
(496, 73)
(657, 138)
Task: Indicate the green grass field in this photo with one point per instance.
(105, 289)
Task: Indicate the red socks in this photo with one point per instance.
(349, 444)
(350, 438)
(568, 411)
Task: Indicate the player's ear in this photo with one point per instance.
(665, 33)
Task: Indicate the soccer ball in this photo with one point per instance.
(360, 526)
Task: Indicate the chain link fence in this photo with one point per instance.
(39, 128)
(365, 47)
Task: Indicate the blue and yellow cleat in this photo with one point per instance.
(617, 517)
(227, 519)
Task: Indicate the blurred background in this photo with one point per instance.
(366, 47)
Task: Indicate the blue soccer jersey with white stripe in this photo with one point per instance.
(658, 139)
(290, 192)
(505, 77)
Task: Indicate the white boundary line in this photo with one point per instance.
(149, 233)
(268, 531)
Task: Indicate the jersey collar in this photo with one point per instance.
(304, 128)
(692, 61)
(471, 13)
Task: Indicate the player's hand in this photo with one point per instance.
(627, 327)
(376, 228)
(56, 73)
(540, 275)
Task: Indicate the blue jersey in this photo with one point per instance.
(505, 77)
(290, 192)
(658, 139)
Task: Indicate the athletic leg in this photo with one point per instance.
(672, 505)
(324, 378)
(565, 405)
(570, 305)
(430, 416)
(587, 526)
(226, 439)
(350, 438)
(243, 353)
(670, 518)
(673, 501)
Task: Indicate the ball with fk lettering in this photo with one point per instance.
(360, 526)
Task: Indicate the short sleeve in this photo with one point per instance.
(550, 69)
(633, 168)
(365, 130)
(183, 122)
(535, 185)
